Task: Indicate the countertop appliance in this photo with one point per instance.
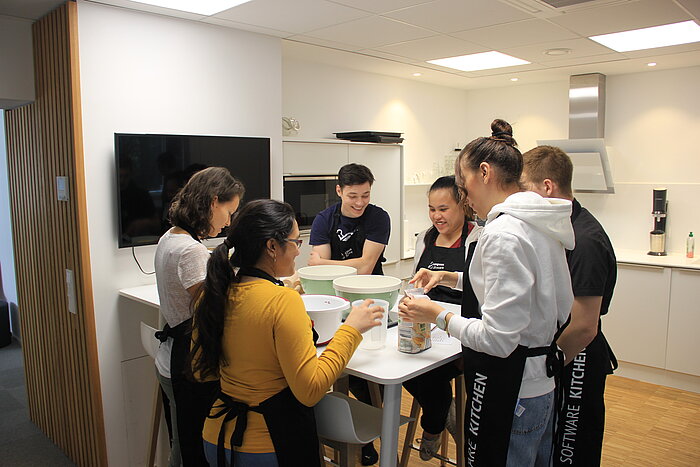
(657, 237)
(310, 194)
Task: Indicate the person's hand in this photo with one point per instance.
(365, 317)
(427, 279)
(419, 310)
(314, 258)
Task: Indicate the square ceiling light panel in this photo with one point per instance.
(480, 61)
(207, 8)
(650, 38)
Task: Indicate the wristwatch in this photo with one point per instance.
(441, 319)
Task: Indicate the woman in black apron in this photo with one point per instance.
(522, 292)
(202, 208)
(442, 247)
(255, 336)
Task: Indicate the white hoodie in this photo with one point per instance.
(520, 277)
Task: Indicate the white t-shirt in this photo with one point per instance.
(180, 263)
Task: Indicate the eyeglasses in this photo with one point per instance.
(296, 241)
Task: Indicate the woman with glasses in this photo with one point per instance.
(255, 336)
(201, 209)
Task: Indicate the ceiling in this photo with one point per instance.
(396, 37)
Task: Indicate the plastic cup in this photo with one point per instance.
(375, 338)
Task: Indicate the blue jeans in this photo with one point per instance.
(531, 436)
(243, 459)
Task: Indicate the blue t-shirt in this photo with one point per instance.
(375, 220)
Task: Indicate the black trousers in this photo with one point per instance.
(192, 404)
(433, 391)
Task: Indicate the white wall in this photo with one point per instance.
(7, 257)
(327, 99)
(150, 73)
(16, 62)
(652, 120)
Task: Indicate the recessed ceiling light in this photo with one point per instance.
(557, 51)
(649, 38)
(651, 64)
(480, 61)
(210, 7)
(417, 74)
(514, 79)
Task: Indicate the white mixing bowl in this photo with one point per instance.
(325, 312)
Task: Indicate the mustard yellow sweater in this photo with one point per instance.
(268, 345)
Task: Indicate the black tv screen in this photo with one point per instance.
(152, 168)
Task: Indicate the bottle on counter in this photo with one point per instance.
(690, 246)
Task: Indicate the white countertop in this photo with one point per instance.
(672, 260)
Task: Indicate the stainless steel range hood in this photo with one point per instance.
(586, 145)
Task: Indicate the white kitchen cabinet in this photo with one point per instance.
(683, 350)
(385, 163)
(637, 323)
(313, 158)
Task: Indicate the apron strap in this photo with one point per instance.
(230, 409)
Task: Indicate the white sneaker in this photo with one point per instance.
(429, 447)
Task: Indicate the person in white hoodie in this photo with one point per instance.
(521, 282)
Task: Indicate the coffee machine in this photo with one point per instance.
(657, 238)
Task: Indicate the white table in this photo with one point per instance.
(385, 366)
(390, 367)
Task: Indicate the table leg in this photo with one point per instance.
(391, 415)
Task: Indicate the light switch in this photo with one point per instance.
(62, 188)
(70, 292)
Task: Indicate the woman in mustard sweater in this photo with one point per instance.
(256, 337)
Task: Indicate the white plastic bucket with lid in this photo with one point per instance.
(325, 312)
(368, 286)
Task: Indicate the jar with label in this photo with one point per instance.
(413, 337)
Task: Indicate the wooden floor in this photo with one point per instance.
(646, 425)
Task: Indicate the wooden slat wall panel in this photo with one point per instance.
(60, 349)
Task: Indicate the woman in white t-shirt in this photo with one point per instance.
(201, 209)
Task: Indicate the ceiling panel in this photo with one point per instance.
(634, 15)
(449, 16)
(246, 27)
(433, 47)
(298, 16)
(381, 6)
(579, 48)
(371, 32)
(532, 31)
(324, 43)
(693, 6)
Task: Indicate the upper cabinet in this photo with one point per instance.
(303, 158)
(325, 157)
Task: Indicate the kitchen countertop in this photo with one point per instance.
(672, 260)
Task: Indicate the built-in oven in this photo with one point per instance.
(309, 195)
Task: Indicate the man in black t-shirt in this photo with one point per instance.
(547, 170)
(352, 232)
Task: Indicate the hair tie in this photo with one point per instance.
(501, 133)
(228, 243)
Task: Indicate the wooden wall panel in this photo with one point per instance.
(44, 141)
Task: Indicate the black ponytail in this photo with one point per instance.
(500, 150)
(258, 221)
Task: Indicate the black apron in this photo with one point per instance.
(291, 424)
(581, 424)
(492, 385)
(352, 248)
(192, 398)
(437, 258)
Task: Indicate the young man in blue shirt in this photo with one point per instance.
(352, 232)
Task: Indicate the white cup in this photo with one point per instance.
(375, 338)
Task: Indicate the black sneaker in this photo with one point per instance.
(369, 454)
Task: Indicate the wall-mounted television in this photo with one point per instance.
(152, 168)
